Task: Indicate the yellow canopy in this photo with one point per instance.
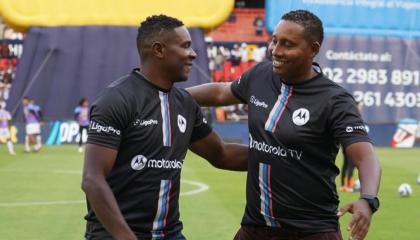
(23, 14)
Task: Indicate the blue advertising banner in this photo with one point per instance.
(381, 73)
(359, 17)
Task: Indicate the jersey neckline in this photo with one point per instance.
(136, 72)
(315, 66)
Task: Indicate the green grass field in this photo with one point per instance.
(40, 197)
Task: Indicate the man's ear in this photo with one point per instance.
(315, 48)
(158, 49)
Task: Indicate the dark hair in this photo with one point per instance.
(309, 21)
(152, 28)
(82, 101)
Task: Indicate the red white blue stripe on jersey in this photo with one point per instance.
(162, 211)
(265, 195)
(278, 109)
(166, 119)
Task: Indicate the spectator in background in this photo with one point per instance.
(219, 59)
(259, 26)
(244, 52)
(81, 115)
(235, 55)
(5, 117)
(259, 54)
(33, 119)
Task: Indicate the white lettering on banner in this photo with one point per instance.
(69, 132)
(275, 150)
(358, 56)
(373, 76)
(257, 102)
(374, 4)
(16, 49)
(94, 126)
(389, 99)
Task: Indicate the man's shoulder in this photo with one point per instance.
(331, 89)
(182, 94)
(262, 67)
(122, 87)
(122, 82)
(118, 93)
(259, 71)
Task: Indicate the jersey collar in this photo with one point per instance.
(136, 72)
(278, 81)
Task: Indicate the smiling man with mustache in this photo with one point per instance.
(291, 191)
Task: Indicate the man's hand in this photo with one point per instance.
(360, 221)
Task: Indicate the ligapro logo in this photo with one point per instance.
(139, 162)
(145, 123)
(257, 102)
(94, 126)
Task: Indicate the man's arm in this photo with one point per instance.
(229, 156)
(213, 94)
(97, 166)
(364, 158)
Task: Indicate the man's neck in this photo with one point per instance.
(156, 77)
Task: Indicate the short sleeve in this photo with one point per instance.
(345, 122)
(109, 116)
(239, 87)
(201, 127)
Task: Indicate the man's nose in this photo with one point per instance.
(193, 55)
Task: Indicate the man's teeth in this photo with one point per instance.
(278, 62)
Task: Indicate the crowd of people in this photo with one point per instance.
(11, 47)
(227, 62)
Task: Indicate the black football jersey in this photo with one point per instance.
(152, 129)
(294, 135)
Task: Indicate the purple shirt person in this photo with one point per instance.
(81, 115)
(33, 118)
(5, 117)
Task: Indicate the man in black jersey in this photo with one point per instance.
(297, 120)
(140, 130)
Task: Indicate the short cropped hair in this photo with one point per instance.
(309, 21)
(152, 29)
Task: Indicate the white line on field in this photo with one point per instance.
(201, 188)
(20, 204)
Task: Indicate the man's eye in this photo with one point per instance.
(288, 44)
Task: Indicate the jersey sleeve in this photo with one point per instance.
(345, 122)
(109, 116)
(201, 127)
(240, 88)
